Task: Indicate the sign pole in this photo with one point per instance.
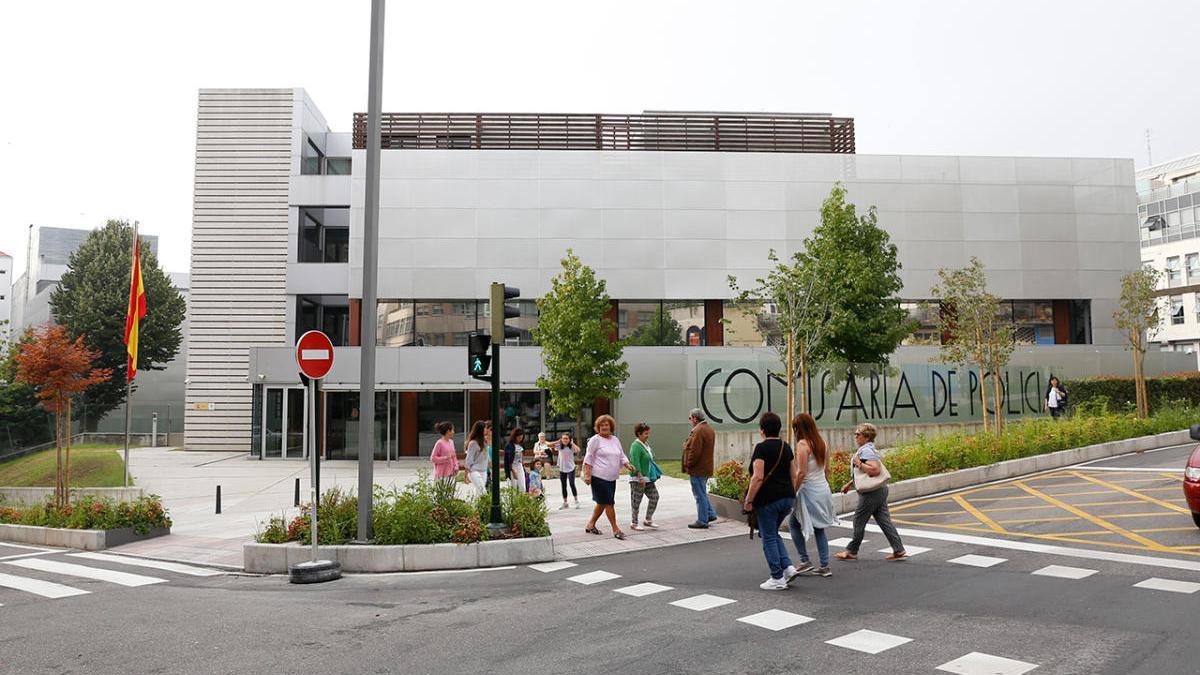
(311, 442)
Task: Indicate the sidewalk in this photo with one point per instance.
(252, 491)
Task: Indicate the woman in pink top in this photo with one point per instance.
(444, 458)
(602, 464)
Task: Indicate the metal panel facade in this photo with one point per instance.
(244, 159)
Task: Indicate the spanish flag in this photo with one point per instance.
(137, 311)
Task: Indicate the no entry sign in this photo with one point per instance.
(314, 354)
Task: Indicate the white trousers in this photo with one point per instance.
(479, 482)
(518, 477)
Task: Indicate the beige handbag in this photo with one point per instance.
(867, 483)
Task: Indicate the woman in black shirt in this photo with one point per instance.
(771, 495)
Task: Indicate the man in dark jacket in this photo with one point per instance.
(698, 463)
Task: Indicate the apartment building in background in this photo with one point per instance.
(6, 275)
(664, 205)
(1168, 220)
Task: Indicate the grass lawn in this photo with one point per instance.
(92, 465)
(671, 467)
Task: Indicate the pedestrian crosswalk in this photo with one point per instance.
(52, 575)
(864, 640)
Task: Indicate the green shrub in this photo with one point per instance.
(525, 514)
(273, 533)
(1163, 391)
(93, 513)
(731, 480)
(949, 452)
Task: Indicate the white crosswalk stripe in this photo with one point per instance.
(978, 663)
(1156, 584)
(868, 641)
(977, 560)
(46, 589)
(71, 569)
(178, 568)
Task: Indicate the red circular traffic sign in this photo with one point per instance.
(314, 354)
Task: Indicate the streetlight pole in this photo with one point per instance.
(370, 273)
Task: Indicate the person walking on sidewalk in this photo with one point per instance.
(478, 442)
(814, 501)
(870, 479)
(444, 458)
(514, 459)
(698, 464)
(642, 482)
(602, 464)
(1056, 398)
(771, 496)
(566, 452)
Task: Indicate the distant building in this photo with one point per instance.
(49, 251)
(1169, 224)
(6, 268)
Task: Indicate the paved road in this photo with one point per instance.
(962, 599)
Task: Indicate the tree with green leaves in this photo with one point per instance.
(804, 300)
(93, 298)
(582, 362)
(855, 260)
(975, 330)
(1138, 318)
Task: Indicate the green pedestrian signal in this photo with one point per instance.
(479, 362)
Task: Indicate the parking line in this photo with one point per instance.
(1148, 543)
(1116, 503)
(1076, 494)
(1157, 529)
(977, 514)
(1141, 515)
(1131, 493)
(1018, 508)
(1000, 499)
(1030, 520)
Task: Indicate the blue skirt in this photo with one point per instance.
(604, 491)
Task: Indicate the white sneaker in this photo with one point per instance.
(559, 508)
(576, 506)
(790, 574)
(774, 584)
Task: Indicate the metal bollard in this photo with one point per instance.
(297, 492)
(218, 499)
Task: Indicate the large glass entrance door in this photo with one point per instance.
(284, 418)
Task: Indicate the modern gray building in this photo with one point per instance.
(663, 205)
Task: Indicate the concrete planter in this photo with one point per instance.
(727, 508)
(276, 558)
(86, 540)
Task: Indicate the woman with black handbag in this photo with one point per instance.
(771, 496)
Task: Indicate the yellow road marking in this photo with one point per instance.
(907, 513)
(1120, 501)
(1085, 533)
(1009, 522)
(1097, 521)
(972, 528)
(981, 499)
(1075, 494)
(1172, 488)
(1133, 515)
(1131, 493)
(990, 510)
(977, 514)
(1156, 529)
(1156, 479)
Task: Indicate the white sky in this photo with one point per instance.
(98, 99)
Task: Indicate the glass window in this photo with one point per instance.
(440, 322)
(523, 409)
(394, 323)
(1034, 322)
(337, 166)
(926, 313)
(310, 158)
(327, 313)
(1079, 321)
(324, 234)
(440, 406)
(1192, 263)
(1173, 271)
(1176, 310)
(1197, 321)
(753, 324)
(669, 323)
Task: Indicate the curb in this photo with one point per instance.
(278, 558)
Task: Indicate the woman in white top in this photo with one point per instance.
(478, 458)
(814, 500)
(1056, 398)
(567, 451)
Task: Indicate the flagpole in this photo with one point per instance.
(128, 380)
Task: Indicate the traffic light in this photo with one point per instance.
(502, 312)
(478, 359)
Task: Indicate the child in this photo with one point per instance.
(535, 479)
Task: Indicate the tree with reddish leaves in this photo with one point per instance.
(58, 368)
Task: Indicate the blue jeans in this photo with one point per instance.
(769, 518)
(704, 509)
(795, 529)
